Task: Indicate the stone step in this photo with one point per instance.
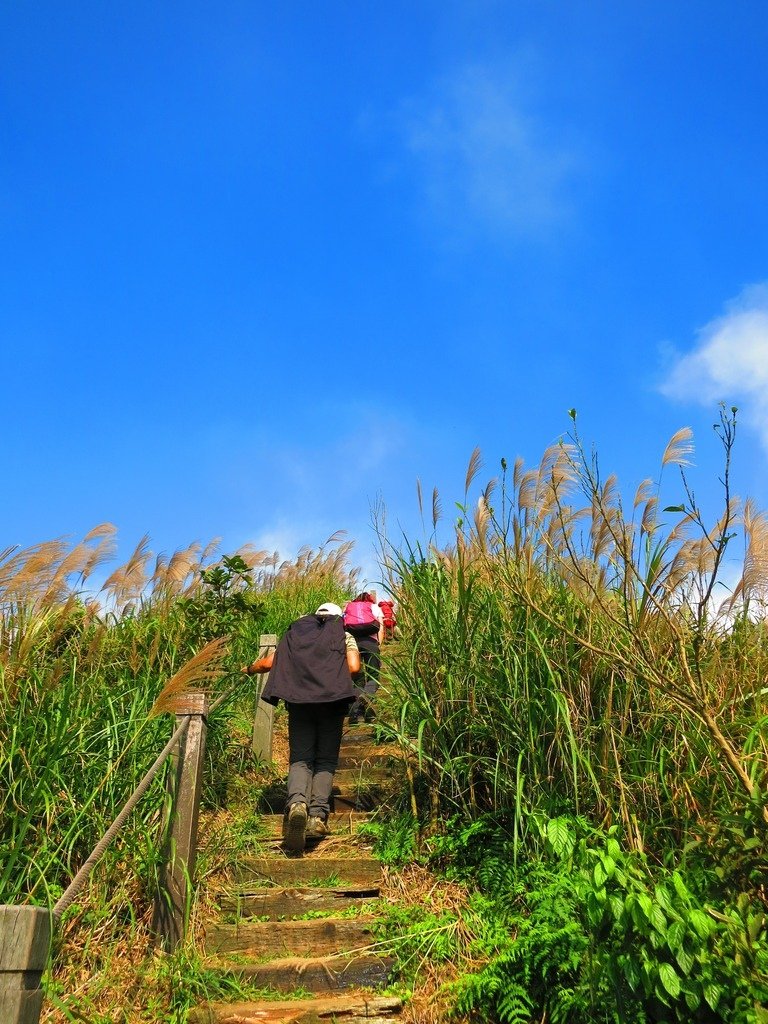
(355, 1008)
(308, 869)
(277, 939)
(320, 974)
(343, 824)
(287, 903)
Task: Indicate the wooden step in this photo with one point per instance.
(369, 752)
(347, 782)
(362, 778)
(357, 1008)
(380, 767)
(343, 824)
(321, 974)
(286, 903)
(307, 869)
(276, 939)
(358, 734)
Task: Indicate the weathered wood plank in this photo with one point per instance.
(264, 717)
(358, 1007)
(357, 870)
(276, 939)
(322, 974)
(25, 937)
(177, 874)
(286, 903)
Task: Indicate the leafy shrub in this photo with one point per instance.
(584, 931)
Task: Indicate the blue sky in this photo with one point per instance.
(264, 263)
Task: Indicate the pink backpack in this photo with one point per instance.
(359, 619)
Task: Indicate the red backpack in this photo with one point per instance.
(390, 620)
(359, 619)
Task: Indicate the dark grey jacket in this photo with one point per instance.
(310, 665)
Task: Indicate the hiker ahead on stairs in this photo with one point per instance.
(311, 670)
(364, 620)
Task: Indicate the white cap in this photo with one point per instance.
(329, 609)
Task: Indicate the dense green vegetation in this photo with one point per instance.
(584, 703)
(588, 708)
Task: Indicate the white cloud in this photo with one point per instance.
(730, 360)
(483, 155)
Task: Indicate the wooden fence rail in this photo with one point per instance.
(26, 931)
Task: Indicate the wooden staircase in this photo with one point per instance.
(333, 964)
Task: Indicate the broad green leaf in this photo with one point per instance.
(613, 849)
(599, 875)
(609, 864)
(675, 935)
(685, 960)
(679, 885)
(616, 904)
(646, 905)
(669, 979)
(664, 899)
(658, 919)
(701, 922)
(560, 836)
(712, 994)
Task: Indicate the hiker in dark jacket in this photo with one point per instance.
(311, 670)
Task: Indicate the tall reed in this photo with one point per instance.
(562, 654)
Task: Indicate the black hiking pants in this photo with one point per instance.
(314, 739)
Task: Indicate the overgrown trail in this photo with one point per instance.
(303, 925)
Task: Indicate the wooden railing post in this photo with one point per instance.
(262, 724)
(25, 939)
(177, 872)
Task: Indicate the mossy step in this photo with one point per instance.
(277, 939)
(319, 974)
(286, 903)
(343, 824)
(355, 1008)
(358, 871)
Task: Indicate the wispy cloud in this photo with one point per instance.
(729, 362)
(483, 154)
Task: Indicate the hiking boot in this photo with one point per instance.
(294, 826)
(317, 828)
